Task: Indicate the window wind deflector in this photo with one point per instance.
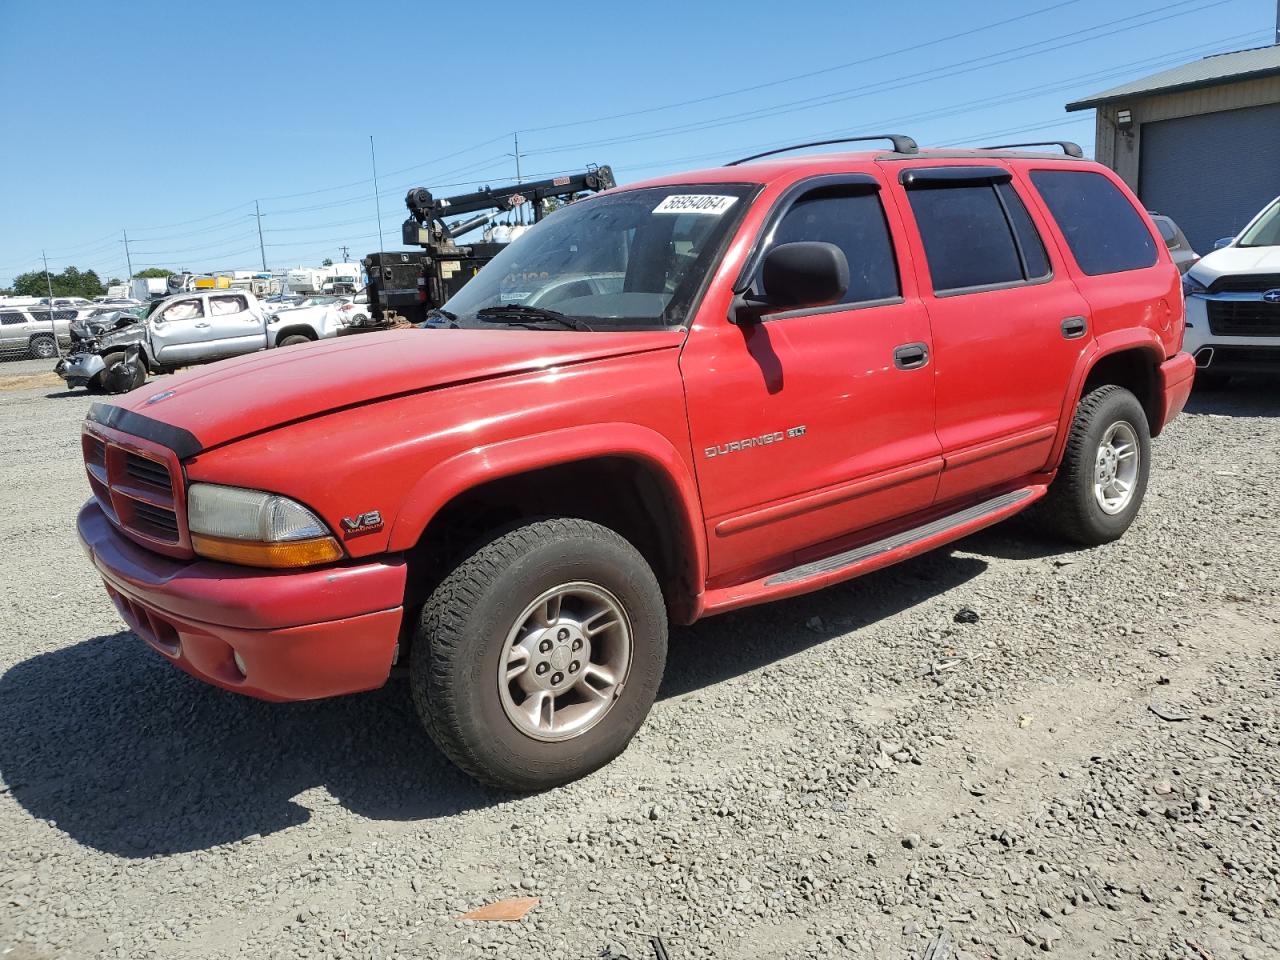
(923, 178)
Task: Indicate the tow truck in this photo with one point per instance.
(405, 285)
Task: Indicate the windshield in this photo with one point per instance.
(1266, 231)
(631, 260)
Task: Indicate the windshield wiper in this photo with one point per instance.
(519, 312)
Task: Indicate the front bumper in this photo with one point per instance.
(79, 368)
(1219, 353)
(1176, 377)
(301, 635)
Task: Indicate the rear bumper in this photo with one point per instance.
(301, 635)
(1176, 377)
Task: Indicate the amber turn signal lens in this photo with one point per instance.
(284, 554)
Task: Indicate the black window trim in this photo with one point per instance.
(936, 178)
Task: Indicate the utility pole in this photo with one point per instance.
(127, 259)
(378, 203)
(48, 279)
(261, 249)
(1278, 23)
(343, 248)
(516, 137)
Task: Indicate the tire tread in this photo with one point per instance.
(442, 627)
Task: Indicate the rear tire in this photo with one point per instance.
(293, 340)
(42, 348)
(1099, 488)
(513, 654)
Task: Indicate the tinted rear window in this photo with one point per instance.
(967, 239)
(1105, 233)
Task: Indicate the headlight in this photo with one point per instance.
(256, 529)
(1191, 286)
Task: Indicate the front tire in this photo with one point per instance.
(539, 656)
(1103, 477)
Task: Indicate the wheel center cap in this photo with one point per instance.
(560, 656)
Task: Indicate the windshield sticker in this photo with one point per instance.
(706, 203)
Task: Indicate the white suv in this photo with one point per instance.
(1233, 303)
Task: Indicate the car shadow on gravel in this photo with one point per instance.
(127, 755)
(1242, 397)
(735, 643)
(132, 757)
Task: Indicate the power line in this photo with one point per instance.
(1019, 52)
(806, 76)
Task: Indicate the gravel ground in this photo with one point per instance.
(1091, 768)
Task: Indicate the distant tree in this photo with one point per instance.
(69, 283)
(326, 262)
(114, 282)
(153, 273)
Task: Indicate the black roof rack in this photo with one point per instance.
(1069, 148)
(901, 144)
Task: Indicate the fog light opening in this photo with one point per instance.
(244, 671)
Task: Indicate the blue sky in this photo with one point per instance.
(169, 120)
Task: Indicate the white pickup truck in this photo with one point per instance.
(188, 329)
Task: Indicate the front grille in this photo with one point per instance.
(1243, 318)
(156, 521)
(1246, 283)
(147, 472)
(138, 491)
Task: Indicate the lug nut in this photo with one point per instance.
(577, 644)
(563, 634)
(557, 677)
(541, 668)
(545, 646)
(573, 667)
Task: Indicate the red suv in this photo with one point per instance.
(737, 384)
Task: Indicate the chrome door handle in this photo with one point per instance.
(202, 326)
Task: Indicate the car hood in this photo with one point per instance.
(1236, 260)
(234, 398)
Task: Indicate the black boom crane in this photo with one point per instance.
(404, 285)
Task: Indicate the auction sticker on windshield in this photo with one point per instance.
(695, 203)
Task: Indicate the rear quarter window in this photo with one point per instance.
(1102, 228)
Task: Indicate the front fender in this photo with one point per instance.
(452, 477)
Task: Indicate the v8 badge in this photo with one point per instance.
(363, 523)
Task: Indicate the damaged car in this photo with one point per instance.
(115, 355)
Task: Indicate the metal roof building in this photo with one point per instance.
(1199, 142)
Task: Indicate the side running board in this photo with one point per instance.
(868, 551)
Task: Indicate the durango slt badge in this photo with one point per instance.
(764, 439)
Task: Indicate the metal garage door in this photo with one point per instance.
(1213, 172)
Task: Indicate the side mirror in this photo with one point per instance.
(1222, 242)
(807, 273)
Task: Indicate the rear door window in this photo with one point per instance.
(221, 306)
(854, 221)
(1102, 228)
(967, 237)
